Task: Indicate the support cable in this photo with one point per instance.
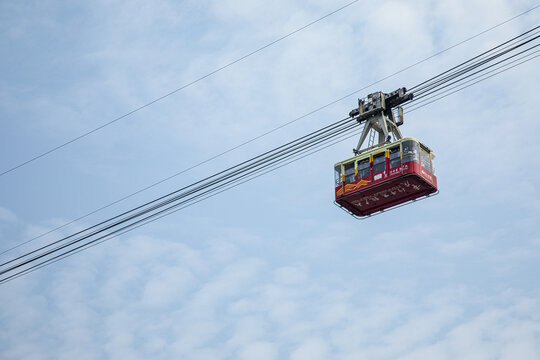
(461, 73)
(482, 76)
(244, 171)
(205, 187)
(176, 90)
(421, 86)
(111, 236)
(259, 136)
(186, 187)
(464, 87)
(467, 69)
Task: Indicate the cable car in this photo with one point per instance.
(387, 174)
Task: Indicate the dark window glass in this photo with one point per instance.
(337, 175)
(379, 163)
(363, 168)
(395, 157)
(349, 173)
(410, 151)
(425, 160)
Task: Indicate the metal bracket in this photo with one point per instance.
(380, 111)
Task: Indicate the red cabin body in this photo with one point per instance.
(385, 177)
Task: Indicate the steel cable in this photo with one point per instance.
(256, 166)
(464, 87)
(110, 236)
(423, 84)
(241, 165)
(220, 182)
(435, 84)
(272, 130)
(177, 90)
(463, 74)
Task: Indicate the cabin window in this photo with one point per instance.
(337, 175)
(349, 173)
(410, 151)
(425, 160)
(395, 157)
(363, 168)
(379, 163)
(432, 163)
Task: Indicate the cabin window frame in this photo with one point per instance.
(377, 156)
(425, 158)
(391, 151)
(350, 177)
(337, 175)
(365, 170)
(410, 154)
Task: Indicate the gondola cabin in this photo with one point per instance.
(385, 176)
(387, 173)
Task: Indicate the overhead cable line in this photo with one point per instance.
(213, 184)
(305, 140)
(176, 90)
(196, 189)
(459, 88)
(444, 80)
(479, 70)
(212, 194)
(284, 124)
(481, 74)
(274, 157)
(508, 43)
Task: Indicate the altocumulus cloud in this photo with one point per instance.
(284, 275)
(246, 309)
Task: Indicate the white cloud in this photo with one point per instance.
(245, 308)
(7, 215)
(272, 270)
(167, 284)
(290, 275)
(311, 349)
(499, 333)
(259, 350)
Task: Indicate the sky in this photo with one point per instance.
(271, 269)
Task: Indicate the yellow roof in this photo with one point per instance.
(377, 150)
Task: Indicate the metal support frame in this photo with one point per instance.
(377, 112)
(382, 125)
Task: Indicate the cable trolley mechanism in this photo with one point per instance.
(387, 174)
